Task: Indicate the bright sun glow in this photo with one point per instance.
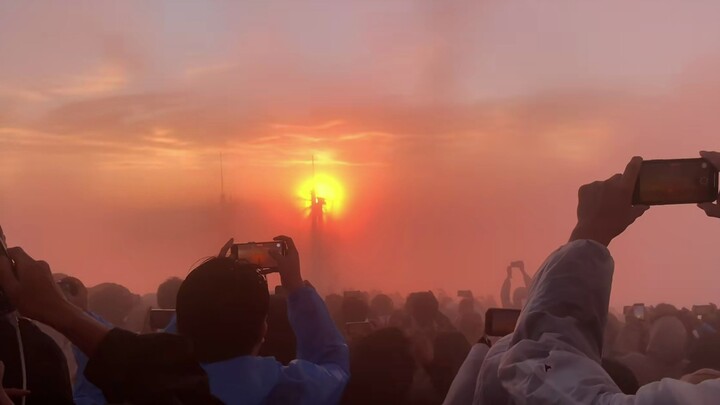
(326, 187)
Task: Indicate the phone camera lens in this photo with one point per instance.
(704, 165)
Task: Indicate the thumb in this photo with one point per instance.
(638, 210)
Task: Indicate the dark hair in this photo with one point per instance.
(422, 306)
(167, 293)
(381, 369)
(622, 376)
(222, 306)
(280, 337)
(354, 309)
(112, 302)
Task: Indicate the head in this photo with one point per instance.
(222, 306)
(520, 297)
(382, 369)
(112, 301)
(667, 340)
(167, 293)
(354, 309)
(75, 291)
(466, 306)
(622, 376)
(382, 305)
(334, 304)
(422, 307)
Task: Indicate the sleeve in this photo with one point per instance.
(157, 368)
(85, 392)
(555, 352)
(462, 389)
(323, 364)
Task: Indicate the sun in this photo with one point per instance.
(326, 187)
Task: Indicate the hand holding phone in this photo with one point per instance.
(711, 209)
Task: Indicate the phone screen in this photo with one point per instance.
(258, 253)
(680, 181)
(500, 321)
(160, 318)
(639, 311)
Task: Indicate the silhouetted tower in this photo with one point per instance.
(317, 205)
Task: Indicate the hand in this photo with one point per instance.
(7, 393)
(288, 265)
(700, 376)
(605, 208)
(33, 292)
(711, 209)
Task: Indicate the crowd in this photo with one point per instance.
(229, 340)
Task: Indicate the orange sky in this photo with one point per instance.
(460, 134)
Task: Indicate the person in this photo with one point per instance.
(113, 302)
(222, 307)
(520, 294)
(470, 322)
(382, 369)
(381, 308)
(554, 355)
(665, 352)
(167, 293)
(129, 368)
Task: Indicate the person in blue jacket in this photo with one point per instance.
(222, 307)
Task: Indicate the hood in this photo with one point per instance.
(244, 379)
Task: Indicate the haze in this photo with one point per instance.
(459, 130)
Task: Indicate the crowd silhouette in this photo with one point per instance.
(220, 336)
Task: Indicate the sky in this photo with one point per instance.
(458, 131)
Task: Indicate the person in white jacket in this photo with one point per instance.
(555, 353)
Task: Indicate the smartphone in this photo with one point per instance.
(465, 294)
(678, 181)
(358, 330)
(519, 264)
(701, 310)
(500, 321)
(638, 311)
(160, 318)
(356, 294)
(258, 253)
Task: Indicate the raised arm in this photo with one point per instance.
(323, 364)
(505, 290)
(555, 353)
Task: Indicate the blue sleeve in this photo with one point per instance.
(323, 365)
(84, 392)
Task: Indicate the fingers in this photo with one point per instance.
(288, 242)
(16, 392)
(631, 173)
(712, 157)
(226, 248)
(639, 210)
